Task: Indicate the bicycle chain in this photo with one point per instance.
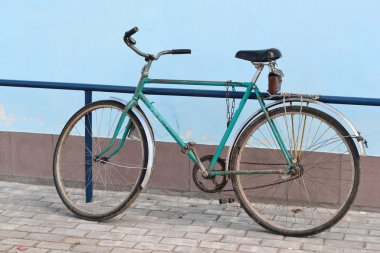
(230, 109)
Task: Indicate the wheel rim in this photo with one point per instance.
(314, 198)
(114, 181)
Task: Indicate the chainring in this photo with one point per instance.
(210, 184)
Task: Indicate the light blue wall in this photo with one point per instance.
(329, 47)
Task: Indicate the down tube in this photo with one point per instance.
(171, 131)
(231, 126)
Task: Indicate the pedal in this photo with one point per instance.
(226, 200)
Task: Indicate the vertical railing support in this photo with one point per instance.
(88, 149)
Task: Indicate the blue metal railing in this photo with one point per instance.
(89, 88)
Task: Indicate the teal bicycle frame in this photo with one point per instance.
(138, 95)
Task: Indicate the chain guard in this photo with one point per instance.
(210, 184)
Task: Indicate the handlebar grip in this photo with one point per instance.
(131, 32)
(127, 36)
(181, 51)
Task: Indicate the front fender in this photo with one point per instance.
(150, 138)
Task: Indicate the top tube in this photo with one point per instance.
(201, 83)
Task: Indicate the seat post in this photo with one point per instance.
(259, 68)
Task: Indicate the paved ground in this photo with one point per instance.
(32, 219)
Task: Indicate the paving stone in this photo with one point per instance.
(187, 249)
(54, 245)
(139, 211)
(167, 214)
(5, 247)
(167, 233)
(118, 244)
(241, 240)
(128, 230)
(23, 221)
(48, 210)
(192, 228)
(344, 244)
(356, 231)
(46, 237)
(142, 238)
(225, 251)
(50, 217)
(199, 216)
(346, 250)
(201, 236)
(226, 231)
(35, 203)
(12, 234)
(10, 205)
(264, 234)
(19, 214)
(70, 232)
(235, 220)
(90, 248)
(58, 224)
(94, 227)
(122, 250)
(216, 224)
(150, 225)
(280, 244)
(305, 240)
(250, 248)
(361, 238)
(178, 241)
(219, 245)
(29, 250)
(78, 240)
(321, 248)
(154, 246)
(374, 232)
(16, 241)
(330, 235)
(104, 235)
(224, 213)
(373, 246)
(364, 226)
(35, 229)
(294, 251)
(7, 226)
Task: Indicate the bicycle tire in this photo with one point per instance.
(115, 182)
(273, 201)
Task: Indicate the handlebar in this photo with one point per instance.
(131, 43)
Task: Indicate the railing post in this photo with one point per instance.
(88, 148)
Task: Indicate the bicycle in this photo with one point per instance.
(294, 168)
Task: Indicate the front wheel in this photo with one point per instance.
(99, 188)
(318, 193)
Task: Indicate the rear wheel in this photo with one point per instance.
(99, 188)
(321, 189)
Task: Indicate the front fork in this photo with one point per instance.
(100, 156)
